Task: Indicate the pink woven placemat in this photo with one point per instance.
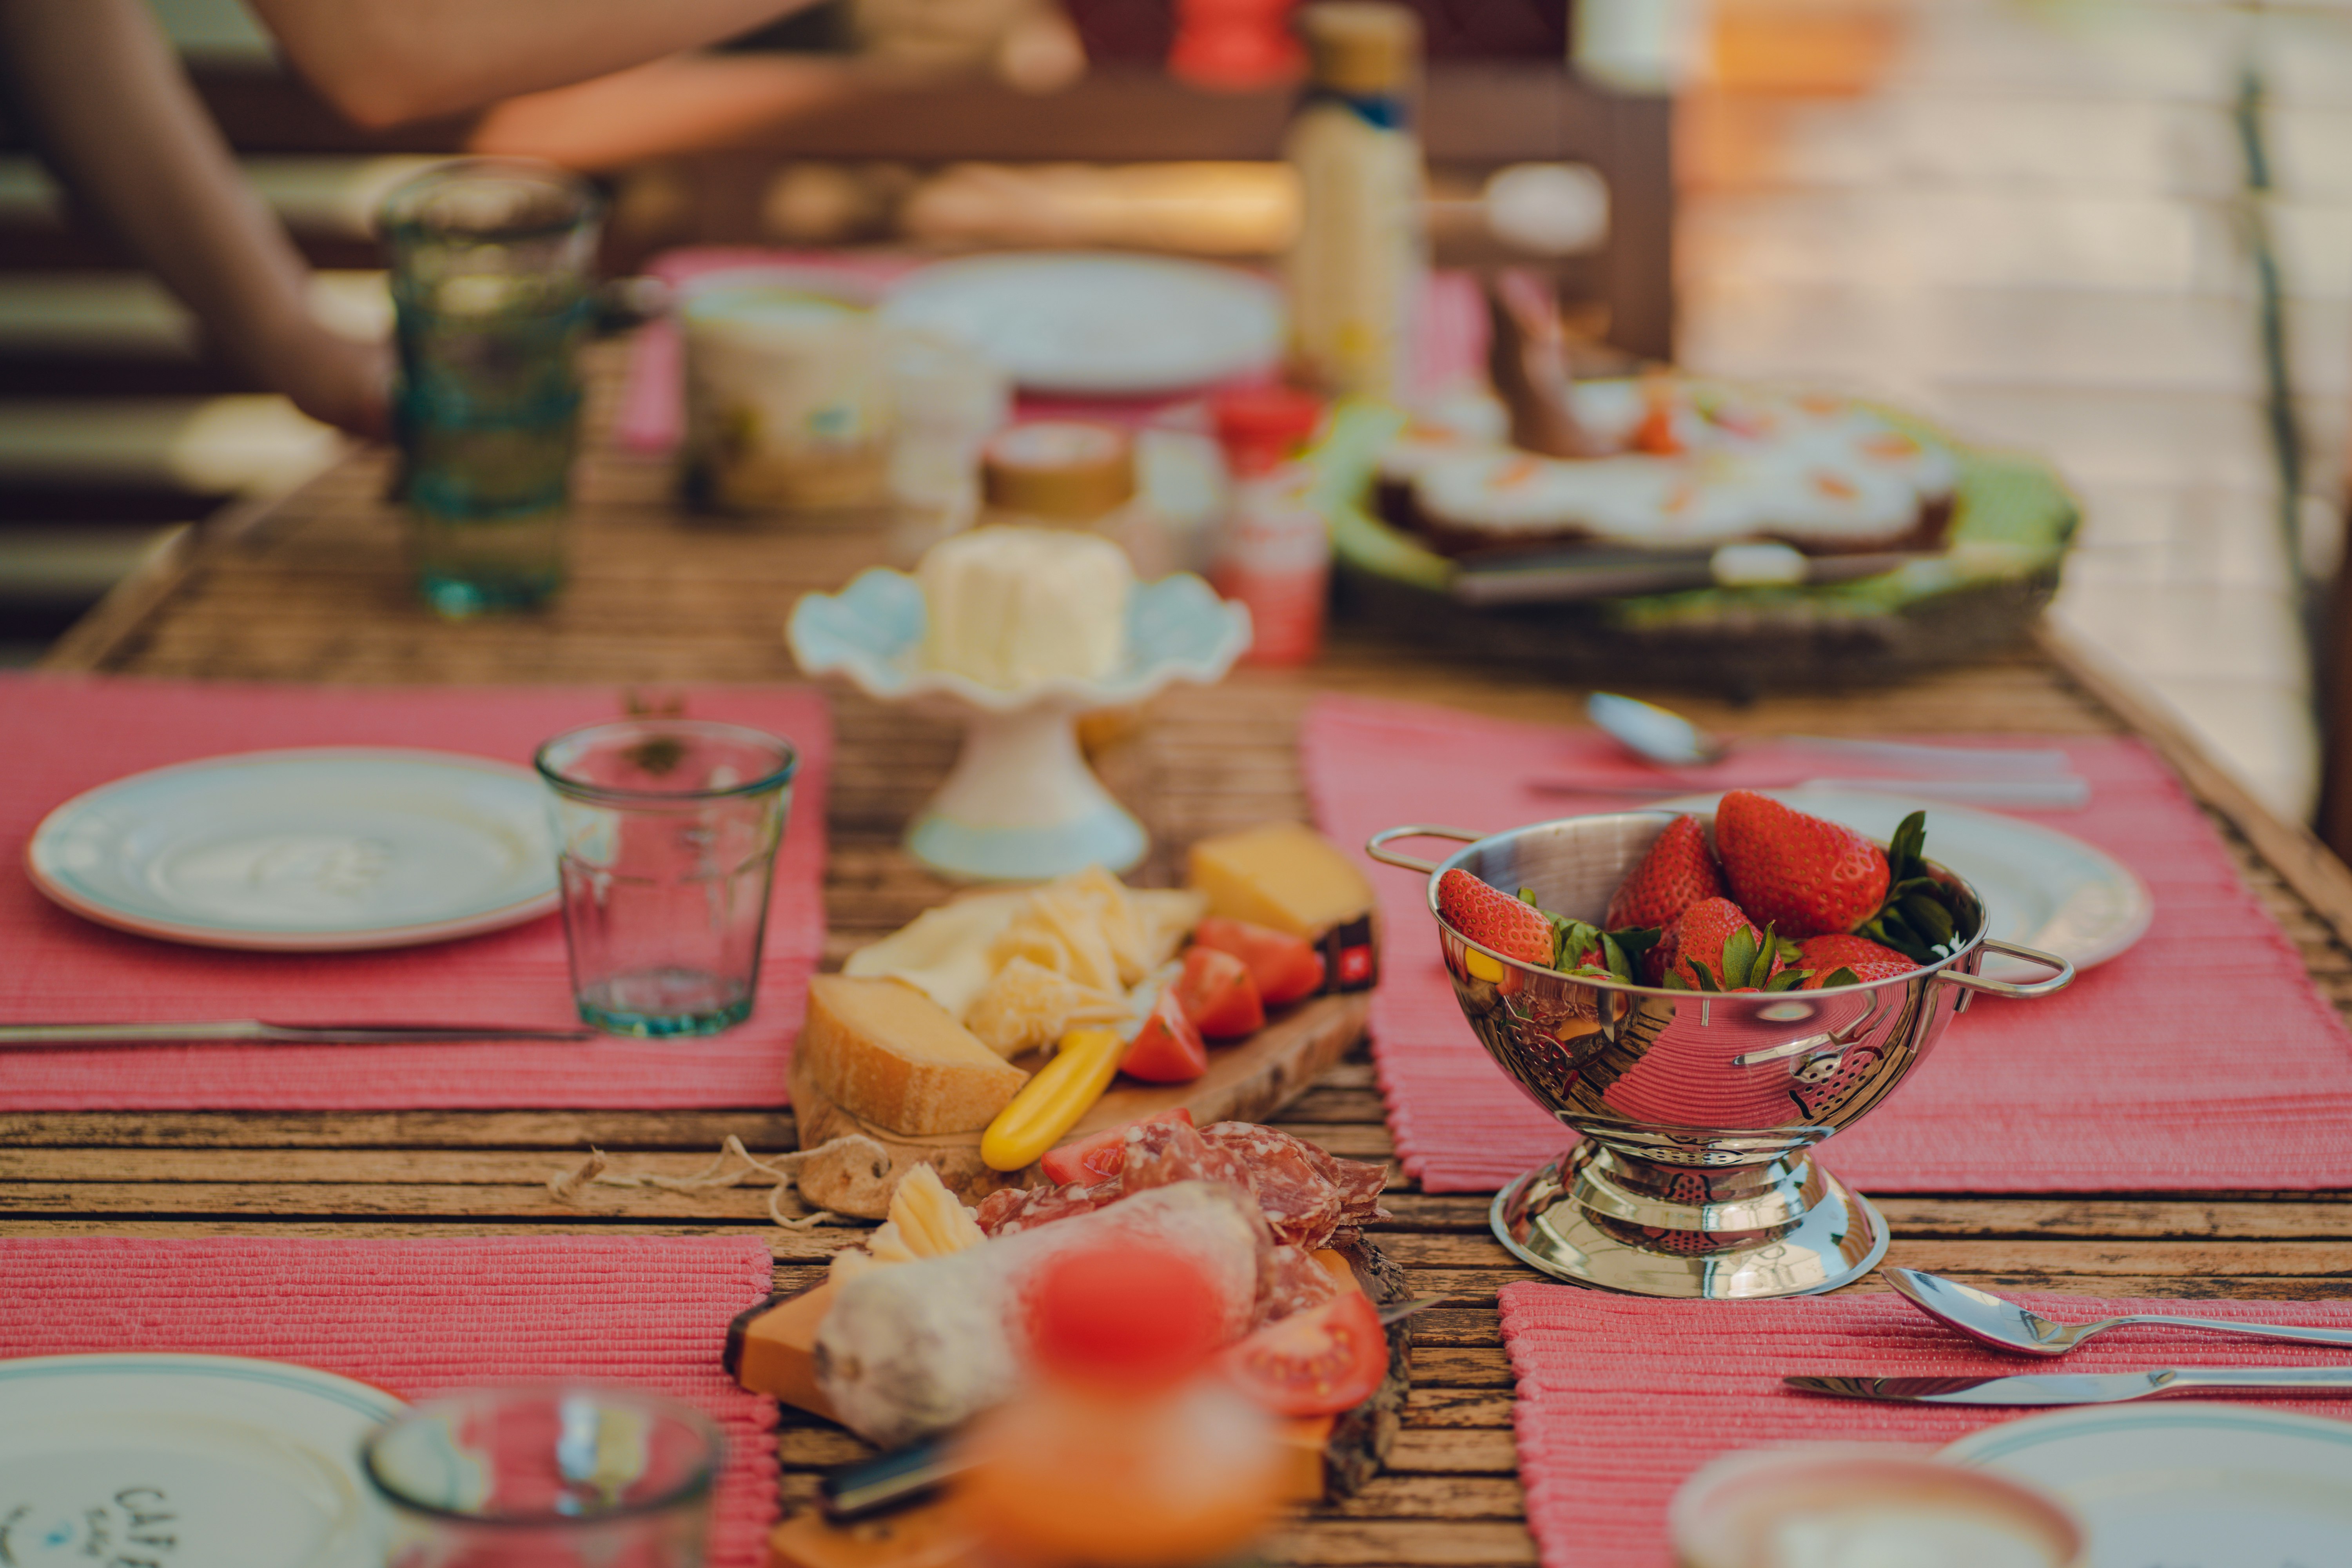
(69, 734)
(416, 1316)
(1620, 1399)
(2202, 1060)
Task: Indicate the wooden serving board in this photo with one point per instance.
(1247, 1082)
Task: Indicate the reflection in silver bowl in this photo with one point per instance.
(1697, 1111)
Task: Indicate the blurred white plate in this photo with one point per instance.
(2213, 1484)
(194, 1461)
(1098, 324)
(2041, 888)
(308, 851)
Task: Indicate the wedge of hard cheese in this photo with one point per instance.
(1289, 876)
(887, 1053)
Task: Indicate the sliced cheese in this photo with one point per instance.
(1028, 1006)
(944, 953)
(889, 1054)
(1280, 874)
(1164, 916)
(927, 1220)
(1060, 929)
(1111, 906)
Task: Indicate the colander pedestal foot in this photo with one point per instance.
(1598, 1216)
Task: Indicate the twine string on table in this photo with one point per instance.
(732, 1167)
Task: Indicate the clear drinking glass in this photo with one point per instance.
(492, 271)
(666, 832)
(546, 1476)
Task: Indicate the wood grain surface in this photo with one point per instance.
(313, 591)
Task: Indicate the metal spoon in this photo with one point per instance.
(2005, 1325)
(1669, 740)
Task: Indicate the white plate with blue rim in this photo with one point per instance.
(197, 1461)
(2041, 889)
(2221, 1485)
(315, 851)
(1098, 324)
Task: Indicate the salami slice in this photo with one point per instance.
(1305, 1194)
(1359, 1181)
(1300, 1205)
(1008, 1211)
(1165, 1153)
(1157, 1155)
(1290, 1281)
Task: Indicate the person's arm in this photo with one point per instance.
(385, 61)
(102, 95)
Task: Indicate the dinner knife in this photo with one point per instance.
(253, 1031)
(2082, 1387)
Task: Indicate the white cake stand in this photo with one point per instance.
(1021, 803)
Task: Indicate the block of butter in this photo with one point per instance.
(1010, 606)
(1288, 876)
(890, 1055)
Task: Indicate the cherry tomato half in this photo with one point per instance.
(1316, 1362)
(1286, 967)
(1218, 995)
(1102, 1155)
(1165, 1046)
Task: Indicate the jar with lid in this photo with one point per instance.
(1121, 1447)
(1075, 473)
(1274, 550)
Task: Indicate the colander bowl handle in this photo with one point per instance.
(2063, 978)
(1377, 846)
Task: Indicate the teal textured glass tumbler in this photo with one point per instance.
(666, 832)
(492, 276)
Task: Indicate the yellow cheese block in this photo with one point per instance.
(889, 1054)
(926, 1536)
(1280, 874)
(771, 1349)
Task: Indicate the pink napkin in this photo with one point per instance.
(1621, 1398)
(2203, 1060)
(416, 1317)
(73, 733)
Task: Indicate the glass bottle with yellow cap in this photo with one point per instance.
(1355, 272)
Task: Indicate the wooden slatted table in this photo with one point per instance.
(311, 588)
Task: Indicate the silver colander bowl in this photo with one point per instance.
(1696, 1111)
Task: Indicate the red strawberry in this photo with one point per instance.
(1825, 955)
(1492, 918)
(1715, 935)
(1678, 871)
(1804, 876)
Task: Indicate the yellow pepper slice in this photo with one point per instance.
(1051, 1103)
